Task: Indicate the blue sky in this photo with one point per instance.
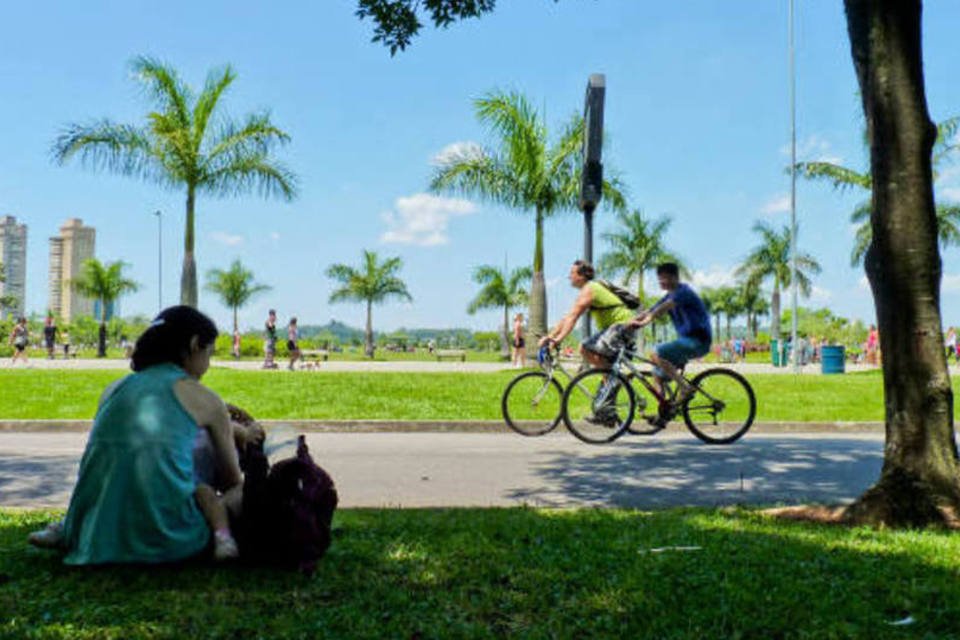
(697, 121)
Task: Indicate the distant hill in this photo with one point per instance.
(346, 334)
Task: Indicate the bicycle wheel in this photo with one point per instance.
(531, 404)
(597, 411)
(723, 407)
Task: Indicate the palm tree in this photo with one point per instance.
(524, 172)
(187, 143)
(106, 283)
(637, 247)
(372, 283)
(235, 287)
(771, 259)
(752, 303)
(500, 291)
(728, 301)
(843, 178)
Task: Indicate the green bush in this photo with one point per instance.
(251, 345)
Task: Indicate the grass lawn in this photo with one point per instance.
(66, 394)
(524, 573)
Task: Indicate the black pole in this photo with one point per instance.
(587, 252)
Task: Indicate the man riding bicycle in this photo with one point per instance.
(608, 311)
(691, 322)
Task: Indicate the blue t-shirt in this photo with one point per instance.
(689, 314)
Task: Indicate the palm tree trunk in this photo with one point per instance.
(538, 290)
(920, 478)
(505, 338)
(102, 334)
(188, 277)
(775, 311)
(368, 332)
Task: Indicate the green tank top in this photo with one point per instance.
(607, 309)
(134, 501)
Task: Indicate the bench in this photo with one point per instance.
(451, 353)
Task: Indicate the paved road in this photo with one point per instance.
(472, 469)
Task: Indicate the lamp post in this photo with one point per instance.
(159, 260)
(794, 352)
(591, 184)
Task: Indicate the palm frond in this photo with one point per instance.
(218, 81)
(119, 148)
(243, 174)
(840, 177)
(165, 87)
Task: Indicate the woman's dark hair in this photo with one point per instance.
(668, 268)
(167, 339)
(584, 269)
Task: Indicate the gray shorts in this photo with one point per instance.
(608, 342)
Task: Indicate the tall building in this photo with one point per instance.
(75, 244)
(13, 255)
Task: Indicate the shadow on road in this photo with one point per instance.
(660, 473)
(36, 481)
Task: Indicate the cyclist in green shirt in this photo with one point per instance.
(609, 313)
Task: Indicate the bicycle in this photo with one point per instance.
(599, 405)
(531, 403)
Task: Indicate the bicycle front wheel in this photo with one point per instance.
(531, 404)
(598, 406)
(723, 407)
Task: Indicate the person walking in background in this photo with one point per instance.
(236, 343)
(873, 344)
(293, 338)
(270, 344)
(50, 335)
(951, 344)
(519, 352)
(65, 342)
(19, 338)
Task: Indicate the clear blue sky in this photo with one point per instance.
(697, 117)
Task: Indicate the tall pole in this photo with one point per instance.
(591, 185)
(793, 199)
(159, 260)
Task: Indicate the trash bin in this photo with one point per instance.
(832, 359)
(775, 352)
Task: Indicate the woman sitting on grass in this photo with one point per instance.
(140, 495)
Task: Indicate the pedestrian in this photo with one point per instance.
(519, 352)
(293, 339)
(270, 344)
(236, 344)
(951, 344)
(873, 344)
(19, 338)
(50, 335)
(65, 341)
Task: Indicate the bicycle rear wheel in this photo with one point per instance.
(723, 407)
(595, 410)
(531, 404)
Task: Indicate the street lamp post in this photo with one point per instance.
(794, 351)
(159, 260)
(591, 185)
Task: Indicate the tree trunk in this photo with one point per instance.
(537, 327)
(920, 480)
(102, 334)
(775, 311)
(505, 341)
(188, 278)
(368, 332)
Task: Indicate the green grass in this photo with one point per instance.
(524, 573)
(66, 394)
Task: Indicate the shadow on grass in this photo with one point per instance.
(514, 573)
(659, 473)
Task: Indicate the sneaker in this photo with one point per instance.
(224, 547)
(49, 538)
(603, 418)
(686, 392)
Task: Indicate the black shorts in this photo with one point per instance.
(519, 343)
(291, 345)
(19, 347)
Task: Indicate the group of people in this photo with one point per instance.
(270, 341)
(20, 339)
(617, 325)
(952, 345)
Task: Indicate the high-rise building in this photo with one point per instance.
(13, 255)
(75, 244)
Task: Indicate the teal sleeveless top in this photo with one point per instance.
(134, 502)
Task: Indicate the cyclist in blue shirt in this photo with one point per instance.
(691, 321)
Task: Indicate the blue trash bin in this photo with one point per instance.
(832, 359)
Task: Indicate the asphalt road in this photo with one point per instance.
(482, 469)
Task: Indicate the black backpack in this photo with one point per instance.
(627, 299)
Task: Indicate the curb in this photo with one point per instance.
(436, 426)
